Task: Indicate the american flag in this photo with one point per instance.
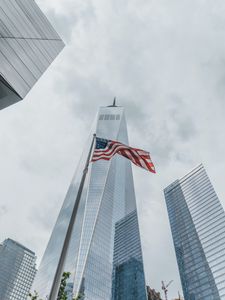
(106, 149)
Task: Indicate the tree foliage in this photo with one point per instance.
(62, 295)
(34, 296)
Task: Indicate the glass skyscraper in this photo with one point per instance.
(128, 272)
(108, 197)
(17, 270)
(28, 45)
(197, 222)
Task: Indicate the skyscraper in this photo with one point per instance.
(128, 272)
(17, 270)
(197, 222)
(28, 45)
(108, 197)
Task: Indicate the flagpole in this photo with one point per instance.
(59, 271)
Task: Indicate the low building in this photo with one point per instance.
(152, 294)
(17, 270)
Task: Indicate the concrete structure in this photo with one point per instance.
(28, 45)
(17, 270)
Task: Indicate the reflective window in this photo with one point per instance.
(197, 222)
(95, 250)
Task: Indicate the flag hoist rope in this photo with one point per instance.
(59, 271)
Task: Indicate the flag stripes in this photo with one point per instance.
(106, 149)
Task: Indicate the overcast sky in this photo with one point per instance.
(165, 62)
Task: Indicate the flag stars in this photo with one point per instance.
(101, 143)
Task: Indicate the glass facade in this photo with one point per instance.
(197, 221)
(17, 270)
(108, 196)
(128, 271)
(28, 45)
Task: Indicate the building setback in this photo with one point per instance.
(17, 270)
(197, 222)
(108, 197)
(28, 45)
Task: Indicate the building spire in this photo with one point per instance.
(114, 103)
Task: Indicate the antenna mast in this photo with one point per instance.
(114, 103)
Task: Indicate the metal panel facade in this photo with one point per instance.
(28, 45)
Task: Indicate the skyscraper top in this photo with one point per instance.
(182, 179)
(15, 243)
(114, 103)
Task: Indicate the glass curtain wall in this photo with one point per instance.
(17, 270)
(108, 196)
(197, 222)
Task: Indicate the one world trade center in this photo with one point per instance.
(104, 256)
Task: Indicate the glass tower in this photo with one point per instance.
(128, 272)
(197, 221)
(17, 270)
(108, 197)
(28, 45)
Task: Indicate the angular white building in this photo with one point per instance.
(28, 45)
(17, 270)
(107, 198)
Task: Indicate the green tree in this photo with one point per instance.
(34, 296)
(79, 297)
(62, 295)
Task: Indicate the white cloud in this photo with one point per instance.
(165, 63)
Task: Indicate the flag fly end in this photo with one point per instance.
(106, 149)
